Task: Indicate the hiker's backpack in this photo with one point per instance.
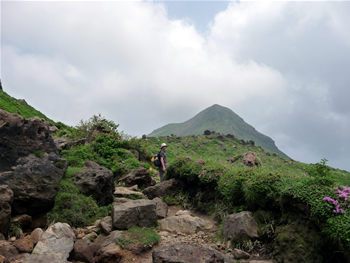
(157, 160)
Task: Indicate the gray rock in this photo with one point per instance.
(43, 258)
(162, 208)
(165, 188)
(104, 240)
(34, 182)
(207, 132)
(20, 137)
(184, 223)
(221, 138)
(58, 238)
(91, 164)
(106, 225)
(99, 183)
(185, 253)
(239, 227)
(123, 191)
(140, 213)
(141, 177)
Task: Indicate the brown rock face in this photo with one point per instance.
(250, 159)
(20, 137)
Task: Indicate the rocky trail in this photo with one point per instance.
(31, 169)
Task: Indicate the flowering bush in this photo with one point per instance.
(343, 200)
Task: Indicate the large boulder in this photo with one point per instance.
(140, 213)
(58, 238)
(20, 137)
(97, 182)
(183, 222)
(34, 181)
(239, 227)
(184, 253)
(167, 187)
(6, 197)
(140, 177)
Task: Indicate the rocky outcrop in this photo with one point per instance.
(59, 238)
(140, 213)
(239, 227)
(184, 253)
(141, 177)
(183, 222)
(96, 182)
(33, 181)
(6, 197)
(20, 137)
(167, 187)
(250, 159)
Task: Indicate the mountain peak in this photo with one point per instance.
(220, 119)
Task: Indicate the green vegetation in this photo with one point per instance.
(12, 105)
(139, 240)
(211, 183)
(74, 208)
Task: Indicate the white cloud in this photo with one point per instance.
(130, 62)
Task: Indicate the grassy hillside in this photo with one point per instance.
(210, 147)
(12, 105)
(222, 120)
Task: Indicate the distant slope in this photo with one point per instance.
(13, 105)
(219, 119)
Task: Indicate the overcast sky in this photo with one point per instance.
(284, 67)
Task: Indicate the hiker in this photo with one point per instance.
(163, 161)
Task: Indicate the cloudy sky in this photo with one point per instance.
(282, 66)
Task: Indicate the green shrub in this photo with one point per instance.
(74, 208)
(322, 173)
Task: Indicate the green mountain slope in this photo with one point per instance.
(222, 120)
(13, 105)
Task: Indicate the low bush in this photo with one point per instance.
(74, 208)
